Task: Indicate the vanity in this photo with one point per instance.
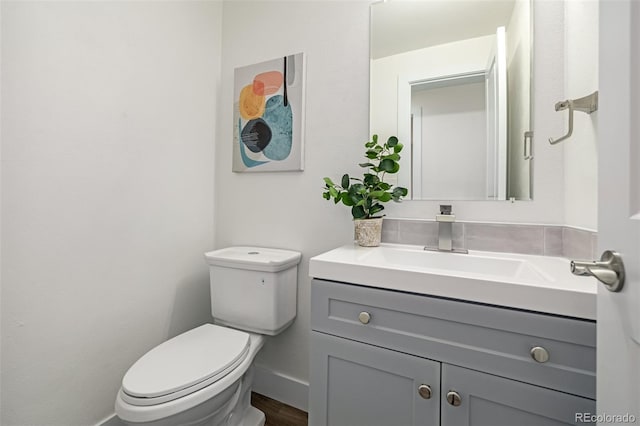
(402, 336)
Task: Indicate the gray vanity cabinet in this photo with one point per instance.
(488, 400)
(388, 358)
(356, 384)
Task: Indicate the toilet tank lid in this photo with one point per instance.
(254, 258)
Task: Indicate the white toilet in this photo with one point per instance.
(203, 376)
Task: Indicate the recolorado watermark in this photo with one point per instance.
(604, 418)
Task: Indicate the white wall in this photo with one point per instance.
(286, 209)
(454, 142)
(107, 194)
(581, 79)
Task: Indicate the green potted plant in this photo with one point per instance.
(366, 195)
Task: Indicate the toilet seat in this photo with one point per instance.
(185, 364)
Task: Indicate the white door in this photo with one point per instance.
(618, 374)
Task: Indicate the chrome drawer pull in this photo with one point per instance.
(364, 317)
(539, 354)
(425, 391)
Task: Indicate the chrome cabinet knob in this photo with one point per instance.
(453, 398)
(425, 391)
(364, 317)
(539, 354)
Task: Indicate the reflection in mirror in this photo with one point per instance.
(453, 80)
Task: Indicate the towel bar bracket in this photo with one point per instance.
(586, 104)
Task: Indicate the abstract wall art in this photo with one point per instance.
(269, 116)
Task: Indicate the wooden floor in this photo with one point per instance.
(278, 414)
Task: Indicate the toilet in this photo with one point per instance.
(204, 376)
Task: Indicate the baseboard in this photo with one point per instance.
(281, 387)
(111, 421)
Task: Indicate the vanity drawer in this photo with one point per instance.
(487, 338)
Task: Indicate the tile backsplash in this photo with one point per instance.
(547, 240)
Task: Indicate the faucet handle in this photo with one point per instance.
(446, 215)
(445, 208)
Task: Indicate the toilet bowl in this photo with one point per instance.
(204, 376)
(187, 381)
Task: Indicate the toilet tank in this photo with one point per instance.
(254, 288)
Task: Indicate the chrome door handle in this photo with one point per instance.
(609, 270)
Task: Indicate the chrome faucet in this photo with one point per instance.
(445, 228)
(445, 220)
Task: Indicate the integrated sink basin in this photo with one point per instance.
(537, 283)
(469, 265)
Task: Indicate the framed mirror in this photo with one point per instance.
(452, 79)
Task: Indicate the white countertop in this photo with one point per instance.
(536, 283)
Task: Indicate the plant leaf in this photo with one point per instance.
(385, 197)
(356, 188)
(376, 208)
(345, 181)
(399, 192)
(368, 202)
(346, 199)
(387, 165)
(392, 141)
(366, 165)
(371, 179)
(398, 148)
(358, 212)
(394, 157)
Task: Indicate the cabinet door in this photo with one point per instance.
(355, 384)
(494, 401)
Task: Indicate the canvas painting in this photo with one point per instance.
(269, 116)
